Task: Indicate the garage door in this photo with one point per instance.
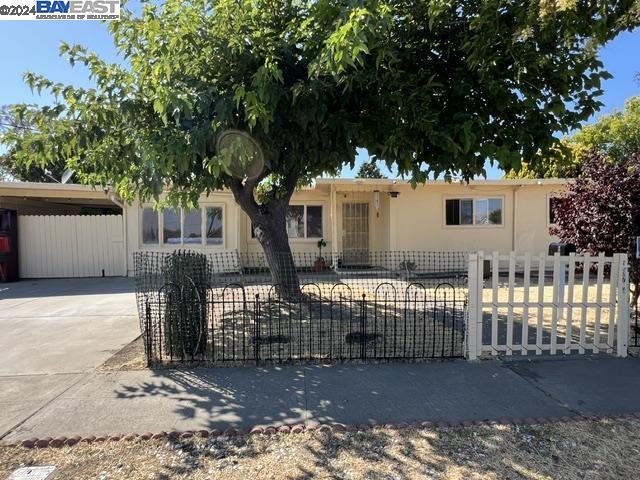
(55, 246)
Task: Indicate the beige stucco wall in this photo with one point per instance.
(532, 217)
(418, 219)
(414, 220)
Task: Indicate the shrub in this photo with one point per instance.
(186, 276)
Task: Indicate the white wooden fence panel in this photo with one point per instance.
(57, 246)
(525, 299)
(570, 299)
(503, 313)
(556, 301)
(542, 259)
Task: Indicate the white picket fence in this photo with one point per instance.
(535, 304)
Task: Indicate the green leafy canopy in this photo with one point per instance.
(433, 86)
(616, 137)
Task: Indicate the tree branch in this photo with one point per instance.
(290, 183)
(243, 194)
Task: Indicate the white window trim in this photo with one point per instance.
(304, 239)
(203, 243)
(474, 198)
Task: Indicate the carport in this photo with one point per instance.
(66, 230)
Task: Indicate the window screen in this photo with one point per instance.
(459, 211)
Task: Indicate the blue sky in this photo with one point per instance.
(33, 46)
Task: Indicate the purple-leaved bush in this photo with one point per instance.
(598, 210)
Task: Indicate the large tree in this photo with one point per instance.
(12, 170)
(600, 212)
(434, 87)
(616, 136)
(369, 170)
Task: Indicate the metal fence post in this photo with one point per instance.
(256, 318)
(624, 318)
(148, 335)
(363, 328)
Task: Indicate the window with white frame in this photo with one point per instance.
(473, 211)
(302, 221)
(203, 226)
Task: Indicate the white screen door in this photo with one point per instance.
(355, 232)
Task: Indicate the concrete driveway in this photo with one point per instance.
(54, 332)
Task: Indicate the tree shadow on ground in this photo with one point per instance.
(225, 398)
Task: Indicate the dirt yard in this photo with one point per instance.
(606, 449)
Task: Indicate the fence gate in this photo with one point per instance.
(534, 305)
(57, 246)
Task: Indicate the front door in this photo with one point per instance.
(355, 233)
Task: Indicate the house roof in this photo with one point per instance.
(58, 191)
(399, 181)
(96, 193)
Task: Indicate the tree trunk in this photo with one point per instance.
(270, 230)
(269, 223)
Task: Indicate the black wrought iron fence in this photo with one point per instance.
(373, 312)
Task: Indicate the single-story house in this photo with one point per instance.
(73, 230)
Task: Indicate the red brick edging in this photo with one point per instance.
(59, 442)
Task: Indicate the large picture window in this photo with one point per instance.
(473, 211)
(203, 226)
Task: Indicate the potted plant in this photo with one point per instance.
(320, 264)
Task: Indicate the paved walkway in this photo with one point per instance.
(123, 402)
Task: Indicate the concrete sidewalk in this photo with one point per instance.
(123, 402)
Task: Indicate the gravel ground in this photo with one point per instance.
(604, 449)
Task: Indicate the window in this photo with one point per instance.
(302, 221)
(554, 203)
(149, 226)
(192, 227)
(314, 221)
(295, 221)
(473, 211)
(213, 219)
(204, 226)
(171, 231)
